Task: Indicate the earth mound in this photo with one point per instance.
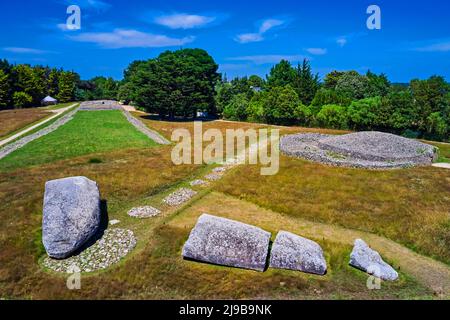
(371, 149)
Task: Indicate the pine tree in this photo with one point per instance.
(4, 89)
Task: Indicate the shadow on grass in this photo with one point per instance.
(156, 117)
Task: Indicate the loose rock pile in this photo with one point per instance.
(9, 148)
(144, 212)
(114, 245)
(179, 197)
(375, 150)
(213, 176)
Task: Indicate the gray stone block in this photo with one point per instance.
(227, 242)
(71, 215)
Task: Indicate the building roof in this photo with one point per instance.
(49, 99)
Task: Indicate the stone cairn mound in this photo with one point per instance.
(179, 197)
(113, 246)
(144, 212)
(370, 261)
(373, 150)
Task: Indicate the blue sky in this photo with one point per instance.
(244, 37)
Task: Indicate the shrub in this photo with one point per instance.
(237, 108)
(363, 113)
(22, 99)
(332, 116)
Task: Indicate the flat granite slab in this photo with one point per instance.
(227, 242)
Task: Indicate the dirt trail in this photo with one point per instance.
(431, 273)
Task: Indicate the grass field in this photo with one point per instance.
(329, 205)
(12, 121)
(89, 132)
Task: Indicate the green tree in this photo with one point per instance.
(282, 74)
(306, 83)
(363, 114)
(22, 99)
(237, 108)
(328, 96)
(177, 83)
(332, 78)
(333, 116)
(67, 84)
(277, 106)
(52, 82)
(4, 89)
(377, 85)
(353, 85)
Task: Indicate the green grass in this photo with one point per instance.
(89, 132)
(444, 152)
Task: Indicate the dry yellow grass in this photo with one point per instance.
(13, 120)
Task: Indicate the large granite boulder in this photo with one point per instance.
(292, 252)
(370, 261)
(226, 242)
(71, 215)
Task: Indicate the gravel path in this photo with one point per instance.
(6, 150)
(113, 246)
(155, 136)
(372, 150)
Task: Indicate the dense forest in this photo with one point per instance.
(181, 83)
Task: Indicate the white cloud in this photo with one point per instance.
(24, 50)
(269, 24)
(265, 26)
(249, 37)
(437, 47)
(265, 59)
(183, 21)
(125, 38)
(317, 51)
(342, 41)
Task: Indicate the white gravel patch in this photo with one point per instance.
(179, 197)
(442, 165)
(198, 182)
(113, 246)
(373, 150)
(144, 212)
(213, 177)
(219, 170)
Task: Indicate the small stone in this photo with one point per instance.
(114, 222)
(292, 252)
(144, 212)
(370, 261)
(219, 170)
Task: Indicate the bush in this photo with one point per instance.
(328, 96)
(363, 113)
(353, 85)
(332, 116)
(22, 99)
(237, 108)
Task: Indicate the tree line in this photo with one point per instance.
(183, 82)
(23, 86)
(293, 95)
